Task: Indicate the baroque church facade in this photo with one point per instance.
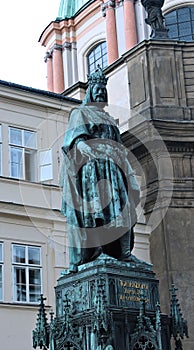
(151, 94)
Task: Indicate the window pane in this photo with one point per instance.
(192, 13)
(92, 68)
(16, 162)
(184, 29)
(29, 157)
(103, 47)
(34, 277)
(91, 60)
(1, 252)
(35, 292)
(1, 282)
(98, 54)
(98, 62)
(19, 284)
(15, 136)
(97, 50)
(0, 159)
(46, 167)
(33, 256)
(29, 139)
(171, 18)
(173, 31)
(105, 62)
(183, 14)
(34, 284)
(46, 173)
(91, 55)
(19, 254)
(45, 157)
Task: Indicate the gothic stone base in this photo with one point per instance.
(101, 303)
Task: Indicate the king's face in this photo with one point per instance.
(99, 93)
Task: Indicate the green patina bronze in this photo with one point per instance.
(68, 8)
(178, 326)
(41, 332)
(100, 191)
(100, 307)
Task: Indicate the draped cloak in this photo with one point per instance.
(96, 188)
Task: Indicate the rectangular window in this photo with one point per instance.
(23, 151)
(27, 273)
(0, 150)
(1, 271)
(46, 167)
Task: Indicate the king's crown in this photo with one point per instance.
(97, 77)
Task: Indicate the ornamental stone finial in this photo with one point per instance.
(178, 327)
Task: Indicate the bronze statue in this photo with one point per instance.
(155, 18)
(100, 191)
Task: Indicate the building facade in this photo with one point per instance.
(32, 231)
(99, 32)
(149, 81)
(33, 242)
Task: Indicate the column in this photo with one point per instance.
(74, 62)
(48, 60)
(67, 64)
(58, 76)
(111, 32)
(130, 24)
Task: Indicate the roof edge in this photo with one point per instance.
(38, 91)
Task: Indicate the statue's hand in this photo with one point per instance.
(85, 150)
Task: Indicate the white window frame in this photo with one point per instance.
(2, 266)
(24, 149)
(45, 161)
(27, 267)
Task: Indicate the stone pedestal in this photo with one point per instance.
(99, 305)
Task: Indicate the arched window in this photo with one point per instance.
(98, 55)
(180, 23)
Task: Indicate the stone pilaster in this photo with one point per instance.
(111, 31)
(67, 59)
(130, 24)
(58, 75)
(74, 62)
(48, 60)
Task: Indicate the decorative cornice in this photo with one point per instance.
(107, 5)
(112, 4)
(67, 45)
(57, 47)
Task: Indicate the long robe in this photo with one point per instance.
(100, 189)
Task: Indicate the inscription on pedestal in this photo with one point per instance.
(132, 290)
(128, 292)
